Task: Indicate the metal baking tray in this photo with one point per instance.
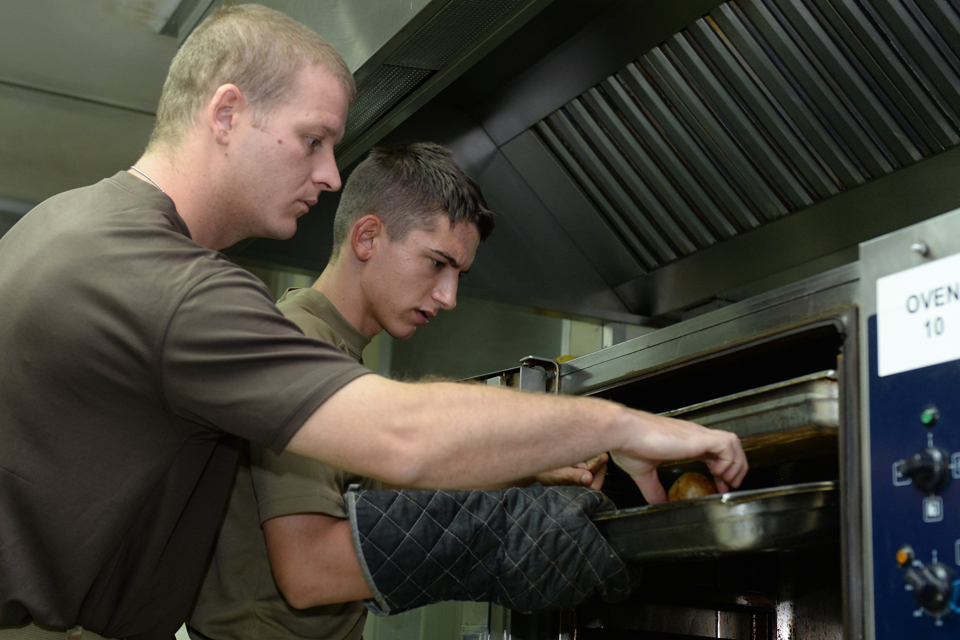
(808, 402)
(725, 524)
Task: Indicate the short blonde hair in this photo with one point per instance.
(256, 48)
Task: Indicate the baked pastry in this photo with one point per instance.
(691, 485)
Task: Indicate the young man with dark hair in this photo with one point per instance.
(408, 226)
(134, 356)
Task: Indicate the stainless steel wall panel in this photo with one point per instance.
(709, 173)
(811, 80)
(768, 113)
(667, 156)
(648, 170)
(799, 113)
(612, 154)
(702, 120)
(625, 234)
(739, 121)
(641, 226)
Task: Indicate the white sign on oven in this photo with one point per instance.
(918, 316)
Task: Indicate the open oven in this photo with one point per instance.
(765, 561)
(834, 533)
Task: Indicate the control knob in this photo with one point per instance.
(929, 469)
(932, 587)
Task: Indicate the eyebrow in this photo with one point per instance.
(449, 258)
(325, 131)
(336, 134)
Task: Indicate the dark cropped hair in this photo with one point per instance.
(406, 186)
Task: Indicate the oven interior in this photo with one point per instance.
(782, 590)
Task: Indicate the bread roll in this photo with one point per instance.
(691, 485)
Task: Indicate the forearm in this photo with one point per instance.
(448, 435)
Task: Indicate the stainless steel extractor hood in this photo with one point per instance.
(651, 159)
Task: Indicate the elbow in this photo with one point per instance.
(295, 591)
(406, 467)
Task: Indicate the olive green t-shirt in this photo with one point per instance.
(239, 598)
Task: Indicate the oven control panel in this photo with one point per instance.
(915, 487)
(911, 310)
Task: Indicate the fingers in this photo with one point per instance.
(566, 476)
(598, 477)
(662, 439)
(730, 466)
(597, 466)
(653, 492)
(594, 464)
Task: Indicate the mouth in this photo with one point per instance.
(424, 316)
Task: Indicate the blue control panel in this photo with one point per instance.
(915, 483)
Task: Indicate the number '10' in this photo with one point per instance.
(934, 327)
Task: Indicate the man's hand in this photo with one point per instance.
(589, 473)
(657, 439)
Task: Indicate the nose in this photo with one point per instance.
(445, 293)
(325, 174)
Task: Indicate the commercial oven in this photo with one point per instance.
(843, 389)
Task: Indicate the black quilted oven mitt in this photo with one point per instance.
(528, 549)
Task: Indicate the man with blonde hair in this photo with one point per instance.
(134, 357)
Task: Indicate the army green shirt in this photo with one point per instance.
(239, 598)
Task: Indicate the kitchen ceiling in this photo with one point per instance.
(650, 159)
(79, 82)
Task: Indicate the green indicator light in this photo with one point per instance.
(929, 416)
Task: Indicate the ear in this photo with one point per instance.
(223, 111)
(364, 236)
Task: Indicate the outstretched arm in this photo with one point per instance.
(450, 435)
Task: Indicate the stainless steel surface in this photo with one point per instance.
(724, 524)
(811, 401)
(438, 52)
(803, 607)
(710, 145)
(684, 152)
(551, 369)
(766, 315)
(911, 194)
(880, 257)
(531, 379)
(363, 31)
(894, 252)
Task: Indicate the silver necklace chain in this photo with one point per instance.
(150, 179)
